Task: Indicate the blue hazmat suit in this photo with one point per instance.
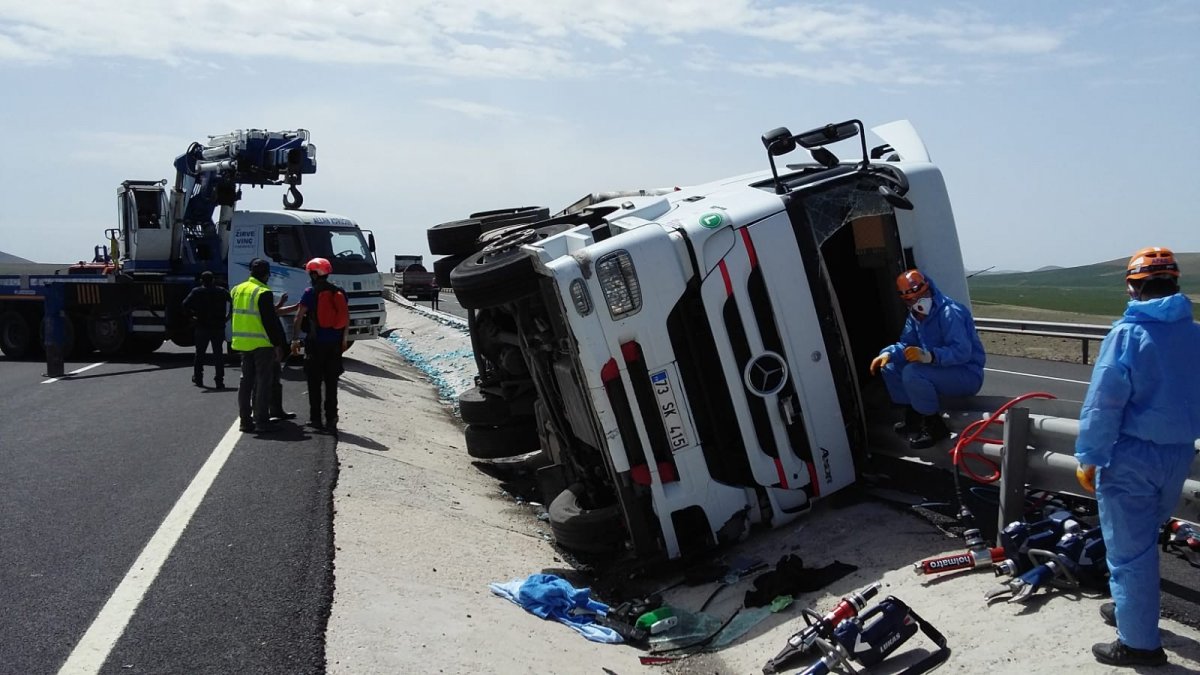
(1139, 425)
(958, 357)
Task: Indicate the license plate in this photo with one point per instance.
(669, 409)
(360, 322)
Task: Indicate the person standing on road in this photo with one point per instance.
(325, 307)
(259, 337)
(1137, 434)
(938, 354)
(209, 306)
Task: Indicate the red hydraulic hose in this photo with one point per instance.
(971, 434)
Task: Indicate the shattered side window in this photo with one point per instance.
(829, 210)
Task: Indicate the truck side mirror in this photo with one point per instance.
(371, 241)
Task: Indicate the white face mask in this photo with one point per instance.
(921, 307)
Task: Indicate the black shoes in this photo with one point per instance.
(316, 424)
(282, 415)
(1117, 654)
(1108, 612)
(933, 430)
(220, 384)
(911, 423)
(247, 427)
(197, 380)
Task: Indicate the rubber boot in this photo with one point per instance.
(933, 430)
(911, 423)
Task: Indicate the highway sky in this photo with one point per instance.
(1067, 131)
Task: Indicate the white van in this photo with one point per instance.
(694, 361)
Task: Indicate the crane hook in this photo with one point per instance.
(292, 199)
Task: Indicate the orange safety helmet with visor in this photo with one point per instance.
(319, 265)
(915, 292)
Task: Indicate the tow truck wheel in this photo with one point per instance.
(16, 338)
(106, 334)
(585, 530)
(502, 271)
(495, 442)
(442, 268)
(477, 406)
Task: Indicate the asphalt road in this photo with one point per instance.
(89, 468)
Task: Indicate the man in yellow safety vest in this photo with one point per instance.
(259, 338)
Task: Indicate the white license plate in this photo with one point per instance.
(668, 407)
(360, 322)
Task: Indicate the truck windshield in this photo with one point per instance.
(345, 248)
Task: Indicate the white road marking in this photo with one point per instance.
(74, 372)
(1040, 377)
(93, 649)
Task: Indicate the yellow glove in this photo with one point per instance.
(1086, 475)
(917, 354)
(878, 362)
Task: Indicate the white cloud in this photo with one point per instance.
(505, 38)
(471, 109)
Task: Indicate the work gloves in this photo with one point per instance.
(1086, 475)
(878, 362)
(917, 354)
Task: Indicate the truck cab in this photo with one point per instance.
(697, 359)
(288, 239)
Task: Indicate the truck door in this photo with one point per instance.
(144, 226)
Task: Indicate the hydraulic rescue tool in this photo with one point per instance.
(820, 627)
(977, 555)
(1076, 559)
(870, 637)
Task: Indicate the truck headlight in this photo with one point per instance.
(579, 295)
(619, 282)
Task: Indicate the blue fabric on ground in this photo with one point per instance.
(552, 597)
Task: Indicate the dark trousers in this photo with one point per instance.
(255, 387)
(204, 338)
(323, 367)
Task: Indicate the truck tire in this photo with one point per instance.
(456, 237)
(442, 268)
(16, 336)
(107, 335)
(537, 212)
(501, 272)
(585, 530)
(478, 406)
(495, 442)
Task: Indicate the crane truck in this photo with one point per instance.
(128, 298)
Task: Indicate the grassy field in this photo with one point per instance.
(1097, 291)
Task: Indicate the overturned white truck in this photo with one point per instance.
(693, 361)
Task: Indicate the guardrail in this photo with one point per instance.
(1085, 332)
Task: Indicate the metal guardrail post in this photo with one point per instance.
(1013, 467)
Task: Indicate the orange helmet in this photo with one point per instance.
(911, 285)
(319, 265)
(1152, 261)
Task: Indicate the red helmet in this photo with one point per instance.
(1152, 261)
(911, 285)
(319, 265)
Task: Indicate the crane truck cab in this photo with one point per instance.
(694, 363)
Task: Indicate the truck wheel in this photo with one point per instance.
(107, 334)
(585, 530)
(478, 406)
(442, 268)
(501, 272)
(16, 338)
(456, 237)
(494, 442)
(528, 213)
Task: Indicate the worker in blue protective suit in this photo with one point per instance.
(938, 354)
(1137, 435)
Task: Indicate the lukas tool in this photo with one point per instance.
(1184, 538)
(872, 635)
(1078, 560)
(820, 627)
(977, 555)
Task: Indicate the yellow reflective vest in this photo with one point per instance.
(248, 331)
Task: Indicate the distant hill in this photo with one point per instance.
(10, 258)
(1097, 289)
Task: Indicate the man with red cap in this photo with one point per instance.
(938, 354)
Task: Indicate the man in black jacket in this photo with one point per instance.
(209, 306)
